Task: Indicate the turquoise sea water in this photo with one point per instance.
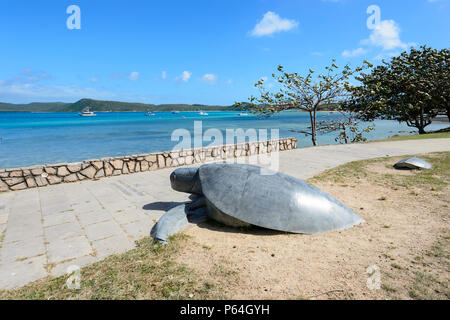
(38, 138)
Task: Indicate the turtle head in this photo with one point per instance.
(186, 180)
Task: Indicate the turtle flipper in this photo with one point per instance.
(170, 223)
(197, 203)
(177, 219)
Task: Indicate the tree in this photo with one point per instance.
(305, 93)
(412, 88)
(348, 126)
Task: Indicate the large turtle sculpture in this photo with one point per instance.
(240, 195)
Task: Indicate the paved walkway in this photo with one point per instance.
(44, 231)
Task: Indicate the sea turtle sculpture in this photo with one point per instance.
(240, 195)
(412, 163)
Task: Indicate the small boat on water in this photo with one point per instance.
(202, 113)
(243, 114)
(149, 113)
(87, 113)
(175, 112)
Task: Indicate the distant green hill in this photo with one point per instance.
(100, 105)
(117, 106)
(33, 107)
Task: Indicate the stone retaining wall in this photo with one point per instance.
(49, 174)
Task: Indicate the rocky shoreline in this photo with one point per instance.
(50, 174)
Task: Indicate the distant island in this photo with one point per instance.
(105, 106)
(116, 106)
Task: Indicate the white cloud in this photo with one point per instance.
(272, 23)
(185, 76)
(354, 53)
(134, 76)
(31, 92)
(27, 76)
(386, 35)
(117, 75)
(209, 78)
(163, 75)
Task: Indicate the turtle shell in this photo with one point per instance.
(272, 199)
(412, 163)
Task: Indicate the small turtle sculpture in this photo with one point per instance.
(412, 163)
(239, 195)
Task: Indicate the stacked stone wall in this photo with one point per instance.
(50, 174)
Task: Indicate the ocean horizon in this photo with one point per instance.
(28, 139)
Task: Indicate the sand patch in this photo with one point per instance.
(401, 224)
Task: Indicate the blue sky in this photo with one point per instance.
(209, 52)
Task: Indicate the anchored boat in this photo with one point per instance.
(87, 113)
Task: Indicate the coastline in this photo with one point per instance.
(14, 179)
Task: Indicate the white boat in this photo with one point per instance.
(202, 113)
(175, 112)
(150, 114)
(87, 113)
(243, 114)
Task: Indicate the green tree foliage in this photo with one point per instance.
(348, 127)
(307, 93)
(413, 88)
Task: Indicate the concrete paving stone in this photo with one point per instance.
(27, 195)
(87, 206)
(24, 206)
(102, 230)
(112, 245)
(117, 206)
(22, 249)
(20, 273)
(89, 218)
(6, 198)
(62, 250)
(128, 215)
(53, 199)
(154, 215)
(58, 218)
(4, 218)
(138, 229)
(15, 232)
(63, 231)
(56, 208)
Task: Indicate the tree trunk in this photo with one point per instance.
(344, 129)
(421, 124)
(421, 129)
(312, 117)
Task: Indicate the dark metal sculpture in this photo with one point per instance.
(239, 195)
(412, 163)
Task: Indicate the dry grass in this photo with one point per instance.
(437, 135)
(146, 272)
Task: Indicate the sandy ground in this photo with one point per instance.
(401, 225)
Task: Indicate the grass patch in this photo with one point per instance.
(434, 179)
(146, 272)
(437, 135)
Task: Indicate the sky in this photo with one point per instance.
(204, 52)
